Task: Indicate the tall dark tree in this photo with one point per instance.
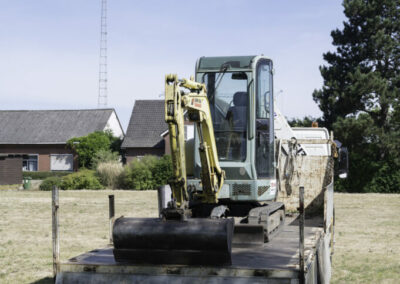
(361, 92)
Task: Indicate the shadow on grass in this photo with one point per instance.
(46, 280)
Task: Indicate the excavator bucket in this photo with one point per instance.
(193, 241)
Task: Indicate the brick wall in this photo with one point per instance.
(167, 144)
(43, 152)
(10, 170)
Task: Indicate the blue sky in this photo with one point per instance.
(49, 49)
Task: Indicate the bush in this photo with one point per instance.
(138, 175)
(104, 156)
(49, 182)
(84, 179)
(109, 173)
(162, 170)
(44, 175)
(148, 172)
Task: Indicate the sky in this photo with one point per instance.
(49, 50)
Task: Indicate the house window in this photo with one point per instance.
(61, 162)
(30, 163)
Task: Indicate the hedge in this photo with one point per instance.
(49, 182)
(84, 179)
(44, 175)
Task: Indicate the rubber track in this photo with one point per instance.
(255, 218)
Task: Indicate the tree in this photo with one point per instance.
(306, 121)
(86, 147)
(361, 92)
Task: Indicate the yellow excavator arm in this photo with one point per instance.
(187, 96)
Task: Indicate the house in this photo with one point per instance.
(143, 136)
(40, 136)
(147, 132)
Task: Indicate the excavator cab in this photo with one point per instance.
(240, 94)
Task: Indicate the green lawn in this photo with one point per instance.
(367, 246)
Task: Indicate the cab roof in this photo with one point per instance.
(218, 63)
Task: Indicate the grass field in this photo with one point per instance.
(367, 232)
(367, 248)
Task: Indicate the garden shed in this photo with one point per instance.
(10, 169)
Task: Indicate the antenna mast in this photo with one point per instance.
(102, 98)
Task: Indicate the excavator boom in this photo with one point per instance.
(195, 104)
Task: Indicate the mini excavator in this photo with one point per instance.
(224, 179)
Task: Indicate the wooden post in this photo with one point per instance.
(111, 213)
(56, 240)
(301, 230)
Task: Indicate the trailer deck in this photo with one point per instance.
(276, 261)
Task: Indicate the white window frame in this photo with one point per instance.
(37, 162)
(56, 155)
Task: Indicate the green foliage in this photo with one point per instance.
(162, 170)
(104, 156)
(360, 96)
(307, 121)
(363, 73)
(84, 179)
(148, 172)
(44, 175)
(138, 175)
(87, 146)
(49, 182)
(385, 180)
(109, 173)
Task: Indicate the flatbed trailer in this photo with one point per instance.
(290, 257)
(274, 262)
